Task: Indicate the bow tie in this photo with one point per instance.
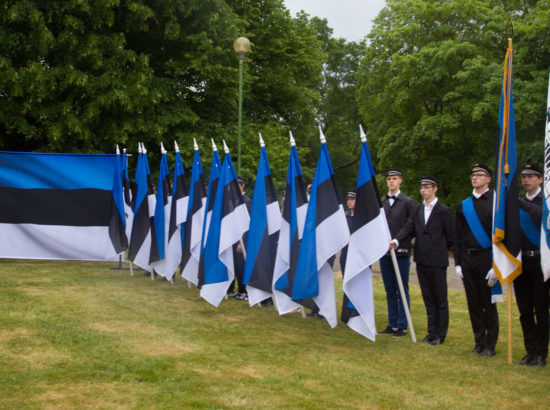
(391, 197)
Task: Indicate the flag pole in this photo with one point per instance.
(403, 296)
(510, 32)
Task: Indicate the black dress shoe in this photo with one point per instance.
(427, 339)
(477, 350)
(487, 352)
(436, 342)
(538, 361)
(387, 331)
(526, 359)
(400, 333)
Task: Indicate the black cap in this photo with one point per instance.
(241, 180)
(428, 180)
(351, 194)
(393, 172)
(481, 168)
(532, 169)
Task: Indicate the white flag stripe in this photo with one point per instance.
(256, 295)
(326, 300)
(273, 218)
(56, 242)
(142, 256)
(233, 227)
(331, 235)
(367, 244)
(196, 231)
(283, 302)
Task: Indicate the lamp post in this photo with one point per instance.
(241, 46)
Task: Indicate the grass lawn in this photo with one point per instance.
(81, 335)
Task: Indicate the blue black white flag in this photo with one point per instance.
(290, 233)
(325, 233)
(161, 218)
(177, 216)
(140, 240)
(506, 225)
(545, 231)
(230, 220)
(127, 192)
(370, 236)
(215, 171)
(192, 231)
(265, 222)
(61, 206)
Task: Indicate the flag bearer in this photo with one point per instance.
(399, 209)
(473, 259)
(531, 289)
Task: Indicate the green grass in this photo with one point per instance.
(80, 335)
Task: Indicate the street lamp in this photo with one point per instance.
(241, 46)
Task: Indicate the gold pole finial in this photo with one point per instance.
(510, 32)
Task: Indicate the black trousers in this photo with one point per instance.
(533, 302)
(433, 284)
(483, 313)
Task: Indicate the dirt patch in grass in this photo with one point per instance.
(146, 339)
(23, 347)
(84, 395)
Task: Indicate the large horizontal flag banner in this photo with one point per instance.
(506, 225)
(545, 231)
(61, 206)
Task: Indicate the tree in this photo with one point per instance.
(430, 87)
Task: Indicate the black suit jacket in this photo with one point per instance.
(433, 239)
(534, 208)
(398, 216)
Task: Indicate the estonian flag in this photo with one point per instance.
(61, 206)
(545, 231)
(265, 221)
(192, 231)
(290, 234)
(215, 171)
(127, 192)
(325, 233)
(162, 216)
(368, 242)
(140, 240)
(176, 205)
(230, 220)
(506, 226)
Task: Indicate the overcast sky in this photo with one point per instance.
(350, 19)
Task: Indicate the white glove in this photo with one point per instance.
(491, 277)
(458, 270)
(394, 243)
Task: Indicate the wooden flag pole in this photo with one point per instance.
(510, 294)
(403, 296)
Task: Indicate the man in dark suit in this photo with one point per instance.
(473, 259)
(531, 289)
(432, 226)
(399, 208)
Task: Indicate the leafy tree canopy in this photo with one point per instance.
(429, 86)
